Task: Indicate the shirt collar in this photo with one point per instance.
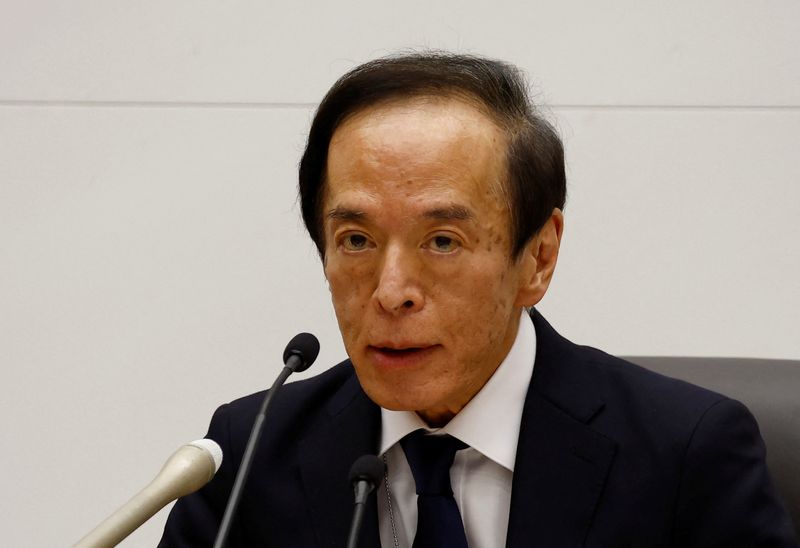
(490, 422)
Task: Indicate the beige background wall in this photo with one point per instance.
(152, 262)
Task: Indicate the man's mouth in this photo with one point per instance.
(400, 355)
(399, 351)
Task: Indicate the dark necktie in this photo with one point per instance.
(439, 522)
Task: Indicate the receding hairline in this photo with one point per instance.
(499, 186)
(432, 95)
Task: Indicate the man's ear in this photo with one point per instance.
(538, 260)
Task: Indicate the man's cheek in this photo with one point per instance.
(350, 313)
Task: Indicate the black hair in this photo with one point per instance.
(536, 180)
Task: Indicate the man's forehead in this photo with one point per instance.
(439, 110)
(422, 141)
(425, 158)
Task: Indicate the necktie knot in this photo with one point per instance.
(430, 458)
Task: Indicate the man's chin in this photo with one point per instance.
(400, 399)
(394, 398)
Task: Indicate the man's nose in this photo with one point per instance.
(399, 289)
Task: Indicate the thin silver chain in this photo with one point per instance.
(389, 501)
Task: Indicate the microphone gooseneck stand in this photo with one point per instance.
(300, 353)
(365, 474)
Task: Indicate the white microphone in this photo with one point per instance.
(186, 471)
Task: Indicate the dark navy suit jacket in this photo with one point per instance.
(610, 455)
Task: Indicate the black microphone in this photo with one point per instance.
(365, 475)
(300, 353)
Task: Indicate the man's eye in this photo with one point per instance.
(355, 242)
(443, 244)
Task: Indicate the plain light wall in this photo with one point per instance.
(152, 260)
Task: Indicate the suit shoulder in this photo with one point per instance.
(634, 383)
(579, 378)
(642, 404)
(330, 379)
(297, 401)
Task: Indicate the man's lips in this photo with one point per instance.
(400, 355)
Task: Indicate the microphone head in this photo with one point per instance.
(188, 469)
(306, 347)
(212, 448)
(367, 468)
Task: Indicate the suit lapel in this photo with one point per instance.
(559, 476)
(562, 463)
(352, 429)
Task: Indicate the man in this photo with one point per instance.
(434, 194)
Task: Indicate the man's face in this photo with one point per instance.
(417, 252)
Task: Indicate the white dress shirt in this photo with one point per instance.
(481, 474)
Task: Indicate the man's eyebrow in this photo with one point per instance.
(453, 212)
(345, 214)
(448, 213)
